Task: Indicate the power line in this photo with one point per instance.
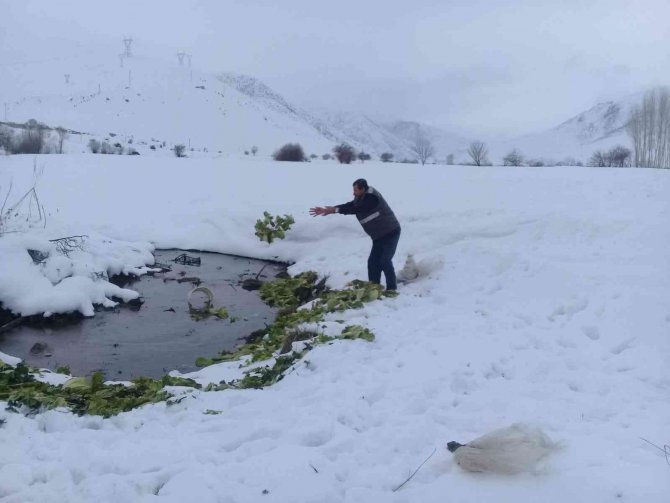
(127, 42)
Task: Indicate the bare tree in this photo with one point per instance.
(514, 158)
(649, 128)
(478, 152)
(6, 138)
(422, 147)
(599, 159)
(62, 134)
(31, 140)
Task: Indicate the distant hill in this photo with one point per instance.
(150, 102)
(600, 127)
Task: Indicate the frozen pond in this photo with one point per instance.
(161, 336)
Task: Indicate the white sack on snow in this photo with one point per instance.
(514, 449)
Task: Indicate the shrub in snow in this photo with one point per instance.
(344, 153)
(271, 228)
(290, 152)
(153, 147)
(106, 148)
(362, 156)
(179, 150)
(326, 157)
(254, 149)
(386, 157)
(94, 145)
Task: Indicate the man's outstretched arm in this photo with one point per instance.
(369, 202)
(322, 210)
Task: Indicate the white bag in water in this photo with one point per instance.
(410, 270)
(517, 448)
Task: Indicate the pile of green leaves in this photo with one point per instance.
(273, 227)
(288, 293)
(18, 387)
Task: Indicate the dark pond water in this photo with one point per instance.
(160, 336)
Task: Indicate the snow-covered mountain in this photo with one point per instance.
(355, 129)
(598, 128)
(151, 102)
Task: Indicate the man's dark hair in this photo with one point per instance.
(361, 183)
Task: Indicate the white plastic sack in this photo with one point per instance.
(514, 449)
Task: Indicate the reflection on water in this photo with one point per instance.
(159, 336)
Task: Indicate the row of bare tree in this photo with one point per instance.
(32, 137)
(649, 128)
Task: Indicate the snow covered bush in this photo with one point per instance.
(290, 152)
(94, 145)
(514, 158)
(271, 228)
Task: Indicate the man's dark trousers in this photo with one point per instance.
(380, 259)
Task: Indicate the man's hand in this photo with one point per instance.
(322, 211)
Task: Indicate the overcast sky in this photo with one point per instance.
(489, 67)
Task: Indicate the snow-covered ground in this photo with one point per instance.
(544, 300)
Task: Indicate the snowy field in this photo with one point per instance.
(544, 299)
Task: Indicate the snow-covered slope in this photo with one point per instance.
(445, 143)
(353, 128)
(149, 100)
(544, 300)
(153, 102)
(600, 127)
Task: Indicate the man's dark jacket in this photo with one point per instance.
(373, 213)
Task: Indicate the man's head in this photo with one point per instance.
(360, 187)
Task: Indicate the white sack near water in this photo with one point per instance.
(514, 449)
